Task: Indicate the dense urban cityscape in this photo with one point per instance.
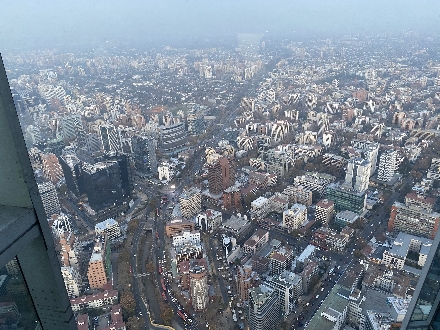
(272, 184)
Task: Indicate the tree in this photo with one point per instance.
(167, 315)
(128, 303)
(135, 323)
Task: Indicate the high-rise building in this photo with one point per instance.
(190, 202)
(144, 154)
(369, 151)
(99, 270)
(70, 164)
(110, 140)
(72, 281)
(198, 286)
(387, 165)
(324, 212)
(264, 308)
(345, 198)
(25, 236)
(289, 287)
(49, 197)
(358, 174)
(72, 128)
(110, 227)
(221, 175)
(246, 279)
(423, 312)
(51, 167)
(415, 216)
(280, 260)
(173, 138)
(295, 217)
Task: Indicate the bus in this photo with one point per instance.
(331, 271)
(163, 285)
(157, 234)
(164, 297)
(157, 212)
(183, 317)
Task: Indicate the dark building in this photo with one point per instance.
(221, 175)
(70, 165)
(105, 183)
(264, 308)
(144, 154)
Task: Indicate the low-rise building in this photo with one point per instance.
(186, 238)
(404, 243)
(345, 218)
(209, 220)
(109, 227)
(94, 301)
(256, 241)
(177, 226)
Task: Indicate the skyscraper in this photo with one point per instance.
(264, 308)
(221, 175)
(110, 138)
(387, 165)
(49, 197)
(144, 150)
(358, 174)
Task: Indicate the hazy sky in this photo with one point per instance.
(49, 23)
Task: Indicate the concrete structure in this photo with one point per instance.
(245, 279)
(198, 286)
(329, 239)
(221, 175)
(358, 174)
(51, 167)
(177, 226)
(264, 308)
(186, 238)
(109, 227)
(94, 301)
(72, 281)
(295, 217)
(403, 244)
(298, 194)
(110, 139)
(232, 198)
(345, 218)
(99, 269)
(309, 273)
(49, 198)
(190, 202)
(256, 241)
(314, 181)
(324, 212)
(164, 172)
(414, 217)
(387, 165)
(280, 260)
(332, 313)
(209, 220)
(259, 208)
(173, 138)
(369, 151)
(289, 287)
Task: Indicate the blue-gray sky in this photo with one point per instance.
(27, 24)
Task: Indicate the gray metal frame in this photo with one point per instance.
(24, 230)
(407, 323)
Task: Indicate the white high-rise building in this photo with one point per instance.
(110, 138)
(295, 217)
(369, 152)
(109, 227)
(358, 174)
(387, 165)
(49, 198)
(72, 281)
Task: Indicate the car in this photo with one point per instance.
(140, 313)
(317, 296)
